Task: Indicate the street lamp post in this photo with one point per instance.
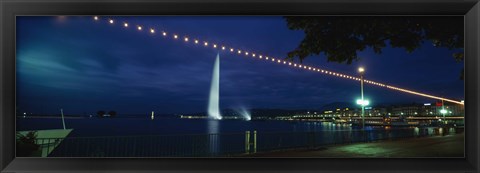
(361, 70)
(444, 111)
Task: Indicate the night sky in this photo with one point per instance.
(83, 66)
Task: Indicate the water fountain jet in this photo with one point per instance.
(213, 101)
(245, 114)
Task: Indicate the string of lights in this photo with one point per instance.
(259, 56)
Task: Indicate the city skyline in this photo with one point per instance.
(80, 65)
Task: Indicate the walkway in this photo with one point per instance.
(437, 146)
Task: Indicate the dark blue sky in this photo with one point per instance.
(82, 65)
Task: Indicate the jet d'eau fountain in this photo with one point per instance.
(213, 101)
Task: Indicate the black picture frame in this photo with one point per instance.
(9, 9)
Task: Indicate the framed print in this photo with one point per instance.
(239, 86)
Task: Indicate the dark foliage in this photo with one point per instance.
(26, 144)
(339, 38)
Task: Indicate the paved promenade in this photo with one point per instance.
(437, 146)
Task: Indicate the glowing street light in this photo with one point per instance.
(363, 102)
(361, 70)
(443, 111)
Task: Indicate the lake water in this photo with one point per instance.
(84, 127)
(87, 127)
(170, 137)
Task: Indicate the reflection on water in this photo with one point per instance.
(319, 126)
(213, 127)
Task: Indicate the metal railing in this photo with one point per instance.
(214, 145)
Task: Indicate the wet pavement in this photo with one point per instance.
(436, 146)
